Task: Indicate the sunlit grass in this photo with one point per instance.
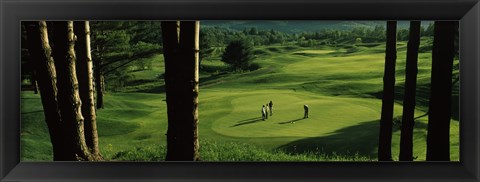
(342, 88)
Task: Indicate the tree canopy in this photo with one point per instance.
(238, 55)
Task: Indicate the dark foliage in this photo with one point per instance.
(238, 55)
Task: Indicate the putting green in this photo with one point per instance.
(326, 114)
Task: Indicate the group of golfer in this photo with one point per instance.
(267, 109)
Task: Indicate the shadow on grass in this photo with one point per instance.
(247, 121)
(34, 98)
(156, 89)
(292, 121)
(422, 97)
(30, 112)
(213, 68)
(397, 123)
(455, 107)
(139, 82)
(213, 77)
(361, 139)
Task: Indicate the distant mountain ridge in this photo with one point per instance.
(298, 26)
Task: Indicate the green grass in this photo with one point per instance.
(231, 151)
(342, 87)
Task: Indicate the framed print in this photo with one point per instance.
(239, 90)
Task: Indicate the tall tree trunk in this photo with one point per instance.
(99, 83)
(406, 138)
(385, 134)
(196, 90)
(98, 77)
(34, 81)
(180, 42)
(68, 96)
(438, 137)
(40, 52)
(85, 85)
(99, 80)
(170, 53)
(189, 48)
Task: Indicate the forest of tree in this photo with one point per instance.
(72, 63)
(73, 134)
(439, 113)
(120, 47)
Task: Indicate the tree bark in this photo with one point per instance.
(85, 84)
(189, 48)
(40, 51)
(438, 137)
(68, 96)
(180, 45)
(98, 77)
(406, 138)
(99, 83)
(34, 82)
(170, 53)
(385, 134)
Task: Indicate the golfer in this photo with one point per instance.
(305, 109)
(266, 112)
(270, 105)
(263, 112)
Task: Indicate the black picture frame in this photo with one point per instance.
(13, 11)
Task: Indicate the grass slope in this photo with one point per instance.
(341, 85)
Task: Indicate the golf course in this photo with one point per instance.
(341, 84)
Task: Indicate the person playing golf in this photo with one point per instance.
(270, 105)
(305, 109)
(263, 112)
(266, 111)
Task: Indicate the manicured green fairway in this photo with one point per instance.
(341, 85)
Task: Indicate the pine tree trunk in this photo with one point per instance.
(85, 84)
(68, 96)
(385, 134)
(98, 78)
(438, 137)
(189, 48)
(40, 52)
(196, 90)
(99, 83)
(34, 82)
(170, 53)
(406, 138)
(181, 80)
